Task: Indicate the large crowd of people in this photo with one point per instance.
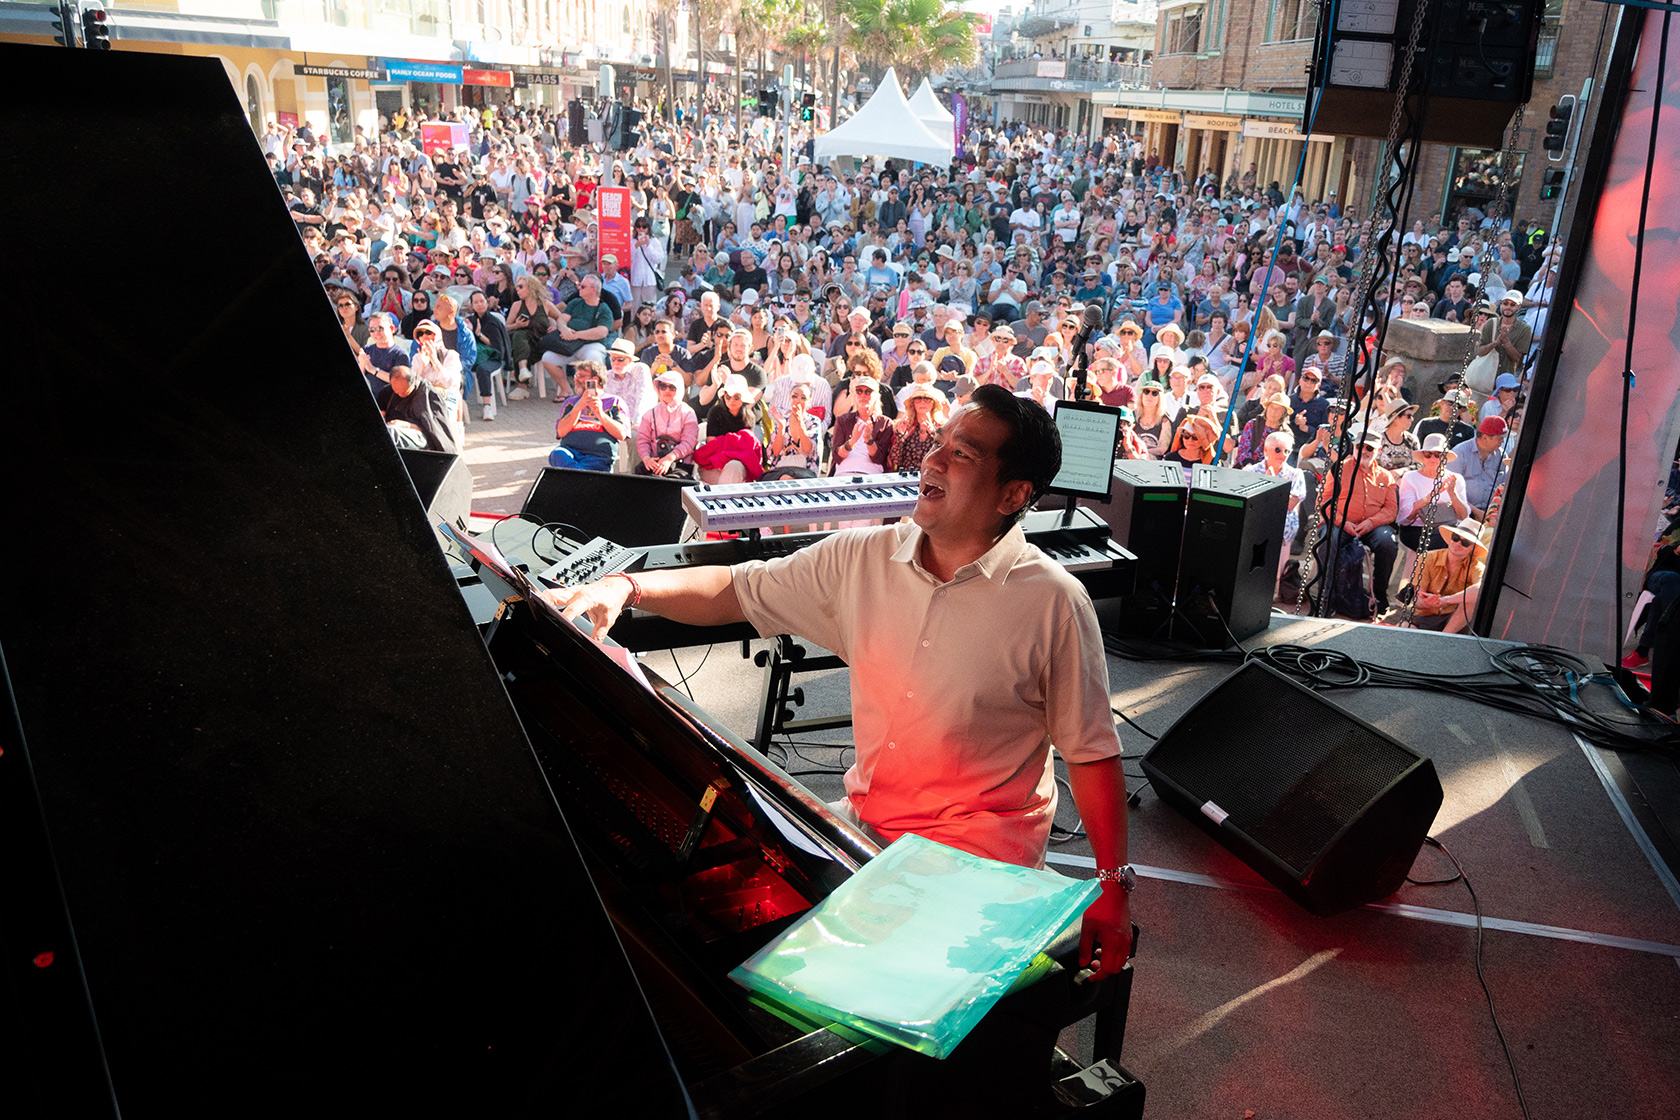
(786, 321)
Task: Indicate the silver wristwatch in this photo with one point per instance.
(1125, 876)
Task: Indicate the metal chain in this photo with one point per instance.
(1501, 205)
(1362, 289)
(1410, 611)
(1310, 556)
(1368, 260)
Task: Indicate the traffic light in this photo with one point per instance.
(96, 28)
(1557, 128)
(64, 26)
(626, 135)
(767, 102)
(1551, 183)
(808, 106)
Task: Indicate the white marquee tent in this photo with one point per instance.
(885, 128)
(925, 104)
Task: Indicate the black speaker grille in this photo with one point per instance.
(1318, 773)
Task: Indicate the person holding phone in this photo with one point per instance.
(591, 424)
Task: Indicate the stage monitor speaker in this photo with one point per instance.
(1227, 571)
(628, 509)
(1145, 515)
(1328, 808)
(1477, 70)
(444, 484)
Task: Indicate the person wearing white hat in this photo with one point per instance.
(1039, 389)
(1171, 335)
(629, 380)
(1430, 493)
(1447, 588)
(668, 432)
(736, 409)
(1506, 334)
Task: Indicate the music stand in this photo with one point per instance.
(1090, 433)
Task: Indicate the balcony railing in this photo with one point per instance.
(1078, 70)
(1043, 21)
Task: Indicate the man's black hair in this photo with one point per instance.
(1033, 449)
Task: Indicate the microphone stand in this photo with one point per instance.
(1078, 371)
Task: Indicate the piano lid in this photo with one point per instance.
(305, 847)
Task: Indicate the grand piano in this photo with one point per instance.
(281, 834)
(703, 850)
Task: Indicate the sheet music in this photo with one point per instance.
(1087, 450)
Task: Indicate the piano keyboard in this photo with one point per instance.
(1079, 556)
(801, 501)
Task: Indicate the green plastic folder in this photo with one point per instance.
(918, 945)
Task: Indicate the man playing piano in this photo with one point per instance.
(971, 652)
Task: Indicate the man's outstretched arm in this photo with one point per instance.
(697, 596)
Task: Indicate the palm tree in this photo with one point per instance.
(707, 13)
(667, 10)
(950, 40)
(805, 34)
(915, 37)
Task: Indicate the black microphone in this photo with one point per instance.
(1090, 322)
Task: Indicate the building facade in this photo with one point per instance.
(342, 65)
(1049, 59)
(1221, 84)
(1229, 85)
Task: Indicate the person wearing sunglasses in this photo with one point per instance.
(729, 456)
(391, 295)
(382, 355)
(915, 609)
(1192, 444)
(1274, 462)
(349, 312)
(863, 436)
(1367, 504)
(1430, 493)
(1451, 581)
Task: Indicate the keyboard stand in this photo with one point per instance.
(780, 663)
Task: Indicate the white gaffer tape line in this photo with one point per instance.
(1614, 792)
(1399, 909)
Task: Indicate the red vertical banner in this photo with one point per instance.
(612, 212)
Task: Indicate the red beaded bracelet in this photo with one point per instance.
(635, 588)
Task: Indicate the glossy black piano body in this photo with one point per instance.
(702, 851)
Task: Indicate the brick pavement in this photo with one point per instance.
(506, 453)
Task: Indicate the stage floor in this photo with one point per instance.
(1245, 1001)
